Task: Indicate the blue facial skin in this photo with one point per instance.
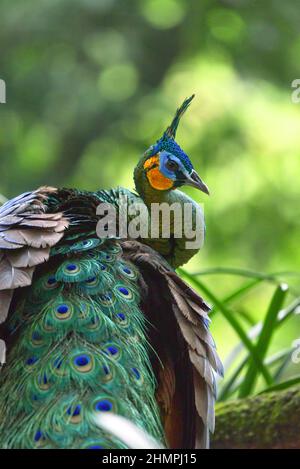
(164, 157)
(179, 175)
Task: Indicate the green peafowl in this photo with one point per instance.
(96, 325)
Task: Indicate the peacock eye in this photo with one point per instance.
(172, 165)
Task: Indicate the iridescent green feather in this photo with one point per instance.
(82, 350)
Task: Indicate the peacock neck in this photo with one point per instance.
(174, 249)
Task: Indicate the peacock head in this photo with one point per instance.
(165, 166)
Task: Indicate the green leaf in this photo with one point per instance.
(226, 390)
(282, 316)
(245, 273)
(231, 385)
(264, 339)
(236, 294)
(284, 385)
(230, 317)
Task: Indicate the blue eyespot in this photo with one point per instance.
(73, 411)
(121, 316)
(124, 291)
(107, 373)
(106, 297)
(82, 360)
(38, 436)
(91, 280)
(57, 363)
(62, 309)
(43, 379)
(103, 406)
(31, 360)
(112, 350)
(136, 373)
(51, 280)
(36, 336)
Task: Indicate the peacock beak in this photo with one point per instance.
(195, 181)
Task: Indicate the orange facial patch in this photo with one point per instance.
(153, 160)
(158, 180)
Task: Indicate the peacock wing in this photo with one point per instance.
(27, 233)
(186, 354)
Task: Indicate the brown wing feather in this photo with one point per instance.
(186, 382)
(28, 256)
(26, 235)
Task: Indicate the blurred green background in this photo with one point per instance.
(92, 83)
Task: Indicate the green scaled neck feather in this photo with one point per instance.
(97, 326)
(173, 249)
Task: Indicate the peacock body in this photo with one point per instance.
(100, 325)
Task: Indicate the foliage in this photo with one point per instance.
(252, 366)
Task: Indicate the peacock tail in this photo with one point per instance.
(78, 347)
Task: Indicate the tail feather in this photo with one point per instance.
(82, 351)
(192, 339)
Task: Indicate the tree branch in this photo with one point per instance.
(269, 420)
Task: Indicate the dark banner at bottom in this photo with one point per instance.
(135, 458)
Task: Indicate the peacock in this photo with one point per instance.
(97, 325)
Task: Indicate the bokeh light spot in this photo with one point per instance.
(163, 15)
(118, 82)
